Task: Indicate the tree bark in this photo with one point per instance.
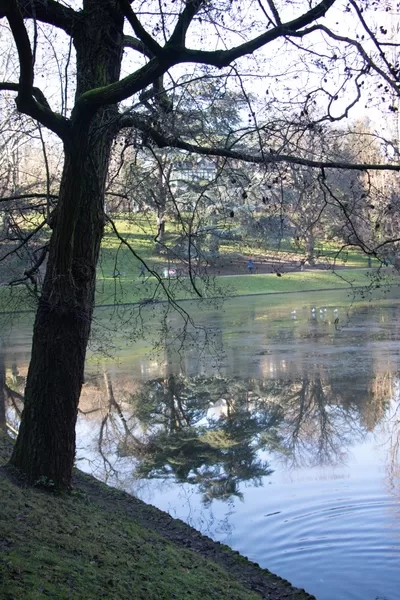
(2, 390)
(161, 201)
(61, 331)
(310, 248)
(159, 247)
(45, 447)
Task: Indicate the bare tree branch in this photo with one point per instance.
(24, 241)
(275, 12)
(152, 272)
(23, 44)
(178, 36)
(30, 101)
(171, 55)
(340, 38)
(223, 58)
(162, 140)
(372, 37)
(136, 44)
(27, 197)
(146, 39)
(32, 273)
(36, 92)
(120, 90)
(48, 11)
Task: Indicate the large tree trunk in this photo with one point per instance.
(45, 448)
(2, 390)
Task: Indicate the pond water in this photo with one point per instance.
(277, 432)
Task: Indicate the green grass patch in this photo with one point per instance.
(300, 281)
(126, 290)
(118, 280)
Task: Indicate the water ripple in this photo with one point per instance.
(319, 541)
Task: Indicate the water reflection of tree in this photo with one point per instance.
(208, 431)
(394, 455)
(391, 432)
(11, 400)
(185, 444)
(367, 393)
(112, 428)
(317, 428)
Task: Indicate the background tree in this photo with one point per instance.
(192, 192)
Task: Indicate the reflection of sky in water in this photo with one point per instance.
(334, 530)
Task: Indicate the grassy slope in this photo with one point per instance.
(83, 546)
(129, 288)
(126, 287)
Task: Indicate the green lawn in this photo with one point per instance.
(129, 288)
(118, 273)
(125, 289)
(326, 253)
(300, 281)
(141, 233)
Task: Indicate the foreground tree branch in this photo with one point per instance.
(265, 158)
(27, 197)
(51, 12)
(175, 53)
(30, 100)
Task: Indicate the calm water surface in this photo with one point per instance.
(279, 437)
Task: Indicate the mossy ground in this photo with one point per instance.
(98, 543)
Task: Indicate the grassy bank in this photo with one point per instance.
(128, 290)
(242, 285)
(100, 543)
(118, 271)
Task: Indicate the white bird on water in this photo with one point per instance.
(293, 312)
